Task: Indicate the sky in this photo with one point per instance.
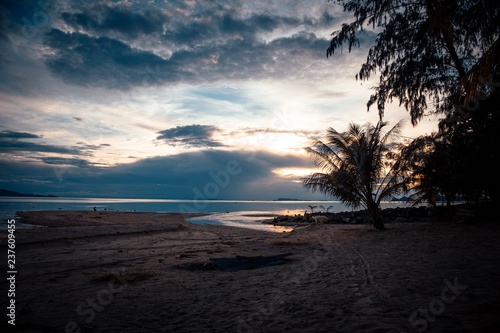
(179, 99)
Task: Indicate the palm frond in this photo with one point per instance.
(358, 166)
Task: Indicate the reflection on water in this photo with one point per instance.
(243, 219)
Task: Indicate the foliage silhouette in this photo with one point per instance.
(430, 54)
(360, 167)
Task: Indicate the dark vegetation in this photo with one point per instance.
(434, 57)
(461, 213)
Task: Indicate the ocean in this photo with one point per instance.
(240, 213)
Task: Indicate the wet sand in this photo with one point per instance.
(148, 272)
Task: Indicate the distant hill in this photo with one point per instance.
(7, 193)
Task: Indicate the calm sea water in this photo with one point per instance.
(226, 212)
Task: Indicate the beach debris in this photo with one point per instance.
(242, 262)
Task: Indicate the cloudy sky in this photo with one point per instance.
(174, 99)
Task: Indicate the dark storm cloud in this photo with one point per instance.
(86, 146)
(105, 19)
(101, 62)
(194, 169)
(32, 174)
(14, 145)
(13, 142)
(115, 46)
(190, 136)
(18, 135)
(177, 23)
(3, 25)
(106, 62)
(119, 45)
(221, 28)
(211, 174)
(78, 162)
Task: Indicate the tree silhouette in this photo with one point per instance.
(359, 168)
(432, 168)
(430, 54)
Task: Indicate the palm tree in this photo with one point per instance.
(360, 167)
(325, 209)
(312, 208)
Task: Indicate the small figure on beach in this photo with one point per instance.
(95, 209)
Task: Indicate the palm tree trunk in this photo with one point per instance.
(378, 223)
(374, 213)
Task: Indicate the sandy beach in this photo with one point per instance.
(148, 272)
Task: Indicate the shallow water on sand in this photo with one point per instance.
(241, 219)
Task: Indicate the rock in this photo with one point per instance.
(320, 219)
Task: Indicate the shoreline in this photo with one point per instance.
(396, 214)
(147, 272)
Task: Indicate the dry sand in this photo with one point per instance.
(147, 272)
